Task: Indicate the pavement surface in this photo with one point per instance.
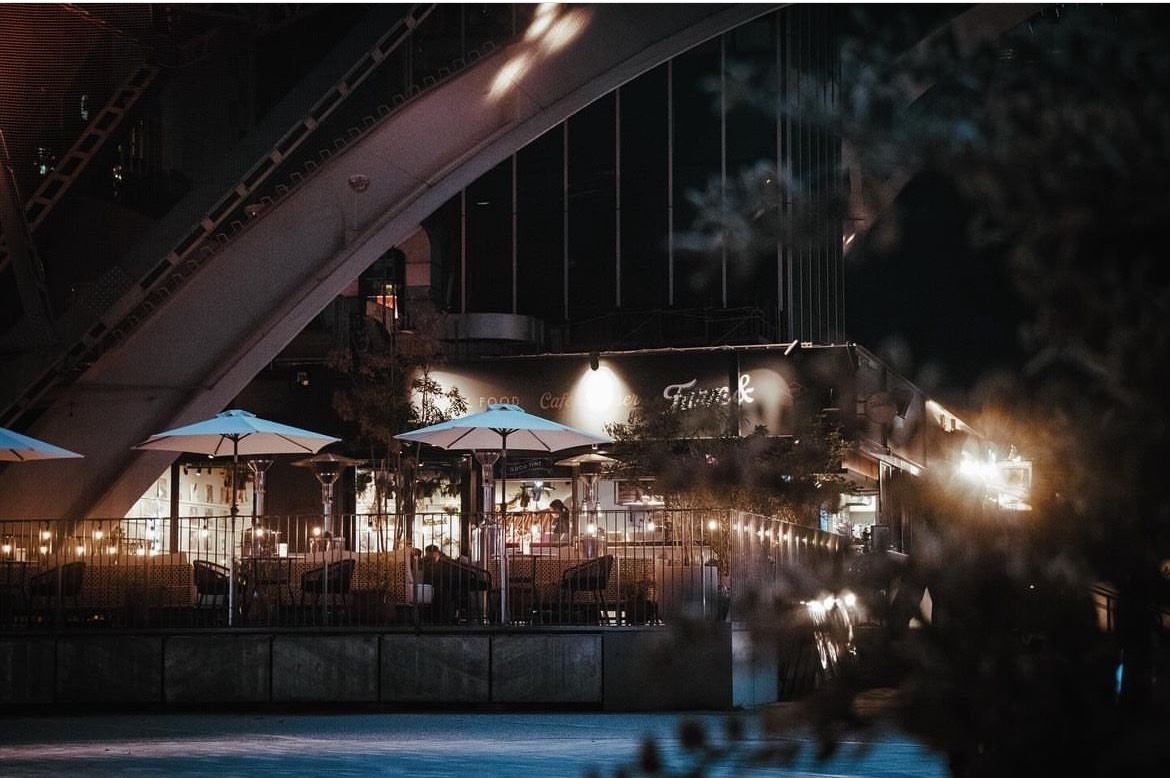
(407, 744)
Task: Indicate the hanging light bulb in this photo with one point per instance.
(98, 534)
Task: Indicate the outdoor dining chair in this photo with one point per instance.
(59, 583)
(211, 583)
(592, 577)
(339, 579)
(13, 597)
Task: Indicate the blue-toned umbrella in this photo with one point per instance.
(15, 447)
(497, 427)
(244, 433)
(493, 429)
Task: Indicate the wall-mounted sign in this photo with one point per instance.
(568, 390)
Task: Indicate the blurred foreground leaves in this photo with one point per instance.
(1057, 137)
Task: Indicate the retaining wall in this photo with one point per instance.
(623, 668)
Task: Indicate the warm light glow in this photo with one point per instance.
(540, 24)
(564, 30)
(712, 525)
(650, 525)
(599, 390)
(44, 549)
(829, 602)
(511, 72)
(850, 599)
(98, 534)
(111, 550)
(45, 534)
(591, 529)
(599, 397)
(259, 532)
(6, 549)
(80, 550)
(316, 532)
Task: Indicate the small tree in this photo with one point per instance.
(696, 463)
(390, 390)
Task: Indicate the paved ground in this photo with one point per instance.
(407, 744)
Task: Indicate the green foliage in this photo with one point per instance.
(1057, 137)
(391, 390)
(697, 464)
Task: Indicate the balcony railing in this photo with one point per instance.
(614, 568)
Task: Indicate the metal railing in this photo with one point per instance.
(611, 568)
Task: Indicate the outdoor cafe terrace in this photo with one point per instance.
(632, 567)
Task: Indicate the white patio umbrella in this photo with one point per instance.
(244, 433)
(15, 447)
(493, 429)
(498, 426)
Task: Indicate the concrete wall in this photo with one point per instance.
(633, 668)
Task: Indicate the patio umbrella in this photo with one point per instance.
(15, 447)
(245, 433)
(496, 427)
(492, 429)
(240, 432)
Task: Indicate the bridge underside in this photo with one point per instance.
(194, 354)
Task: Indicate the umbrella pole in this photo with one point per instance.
(232, 534)
(505, 616)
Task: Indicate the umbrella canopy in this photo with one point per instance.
(238, 433)
(15, 447)
(328, 461)
(502, 426)
(588, 458)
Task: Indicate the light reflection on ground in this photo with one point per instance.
(414, 744)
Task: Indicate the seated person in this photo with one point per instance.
(453, 582)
